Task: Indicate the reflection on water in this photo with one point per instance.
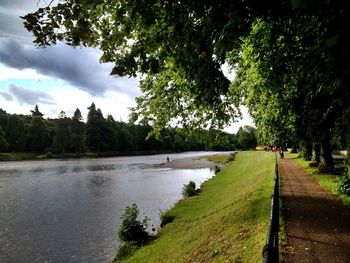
(69, 210)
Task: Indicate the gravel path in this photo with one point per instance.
(317, 224)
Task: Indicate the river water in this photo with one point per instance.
(69, 210)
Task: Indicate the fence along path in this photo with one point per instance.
(271, 249)
(317, 223)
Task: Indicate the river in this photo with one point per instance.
(69, 210)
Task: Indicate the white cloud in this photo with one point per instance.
(7, 73)
(68, 99)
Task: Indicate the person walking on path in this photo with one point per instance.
(317, 224)
(281, 153)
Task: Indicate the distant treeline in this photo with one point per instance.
(33, 133)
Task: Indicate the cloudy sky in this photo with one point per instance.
(58, 77)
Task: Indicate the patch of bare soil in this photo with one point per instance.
(317, 223)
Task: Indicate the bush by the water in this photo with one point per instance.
(131, 229)
(166, 218)
(189, 189)
(217, 169)
(126, 250)
(232, 156)
(344, 185)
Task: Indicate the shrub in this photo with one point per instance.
(166, 218)
(232, 157)
(189, 189)
(344, 185)
(131, 229)
(217, 169)
(125, 250)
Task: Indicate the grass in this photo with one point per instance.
(219, 159)
(329, 181)
(226, 222)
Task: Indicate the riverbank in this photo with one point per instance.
(22, 156)
(227, 221)
(209, 161)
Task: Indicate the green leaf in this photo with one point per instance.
(332, 41)
(299, 4)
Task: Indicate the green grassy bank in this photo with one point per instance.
(329, 181)
(219, 159)
(226, 222)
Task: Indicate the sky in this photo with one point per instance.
(60, 77)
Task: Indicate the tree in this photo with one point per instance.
(15, 133)
(36, 112)
(37, 135)
(3, 142)
(63, 133)
(112, 137)
(95, 129)
(294, 100)
(78, 132)
(180, 46)
(246, 137)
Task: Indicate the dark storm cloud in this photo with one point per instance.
(80, 66)
(31, 97)
(11, 25)
(7, 96)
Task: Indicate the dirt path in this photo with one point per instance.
(317, 224)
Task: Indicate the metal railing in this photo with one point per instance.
(271, 250)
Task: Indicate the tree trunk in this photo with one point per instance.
(347, 141)
(326, 165)
(346, 122)
(316, 152)
(306, 150)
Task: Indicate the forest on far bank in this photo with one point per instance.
(34, 133)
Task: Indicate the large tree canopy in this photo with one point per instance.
(292, 59)
(179, 44)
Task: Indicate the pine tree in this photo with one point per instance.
(94, 129)
(78, 132)
(36, 112)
